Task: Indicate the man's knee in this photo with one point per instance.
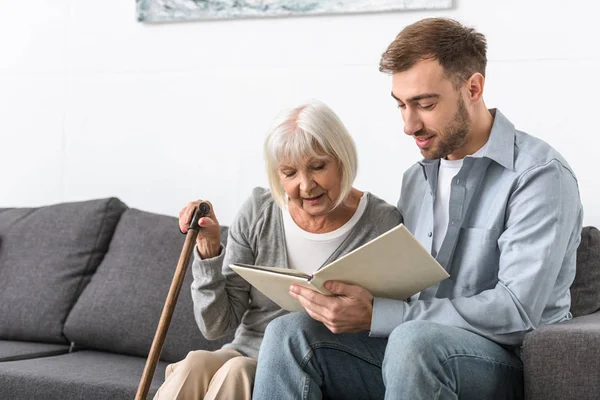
(414, 337)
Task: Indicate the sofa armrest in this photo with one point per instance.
(562, 361)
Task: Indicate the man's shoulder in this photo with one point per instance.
(532, 152)
(414, 174)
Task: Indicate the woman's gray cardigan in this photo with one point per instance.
(223, 301)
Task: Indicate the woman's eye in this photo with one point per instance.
(319, 167)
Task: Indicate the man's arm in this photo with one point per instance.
(542, 231)
(543, 226)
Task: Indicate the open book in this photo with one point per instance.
(394, 265)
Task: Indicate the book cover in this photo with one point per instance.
(393, 265)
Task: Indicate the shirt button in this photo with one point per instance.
(458, 181)
(452, 222)
(430, 234)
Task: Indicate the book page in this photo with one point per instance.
(274, 284)
(278, 270)
(394, 265)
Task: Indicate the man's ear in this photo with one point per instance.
(475, 86)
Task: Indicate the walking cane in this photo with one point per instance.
(167, 312)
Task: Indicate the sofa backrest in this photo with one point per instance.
(585, 290)
(47, 256)
(120, 308)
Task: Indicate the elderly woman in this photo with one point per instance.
(310, 216)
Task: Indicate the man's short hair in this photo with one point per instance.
(309, 130)
(460, 50)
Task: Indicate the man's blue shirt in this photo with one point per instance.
(514, 226)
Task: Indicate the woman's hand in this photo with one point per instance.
(209, 236)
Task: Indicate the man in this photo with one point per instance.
(499, 210)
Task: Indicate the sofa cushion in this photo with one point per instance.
(120, 308)
(88, 375)
(12, 350)
(562, 361)
(47, 256)
(585, 290)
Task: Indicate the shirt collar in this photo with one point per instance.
(501, 143)
(500, 146)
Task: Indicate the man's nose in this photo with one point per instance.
(412, 122)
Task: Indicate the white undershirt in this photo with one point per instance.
(306, 251)
(448, 170)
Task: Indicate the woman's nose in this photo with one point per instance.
(307, 183)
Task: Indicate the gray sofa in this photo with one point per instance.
(82, 286)
(562, 361)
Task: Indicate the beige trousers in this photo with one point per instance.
(221, 374)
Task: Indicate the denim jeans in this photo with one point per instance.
(301, 359)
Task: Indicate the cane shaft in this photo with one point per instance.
(165, 318)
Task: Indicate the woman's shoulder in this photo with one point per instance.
(255, 205)
(378, 205)
(261, 197)
(379, 214)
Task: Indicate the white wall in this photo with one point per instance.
(95, 104)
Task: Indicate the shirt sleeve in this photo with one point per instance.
(537, 250)
(220, 296)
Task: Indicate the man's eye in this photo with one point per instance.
(427, 106)
(402, 106)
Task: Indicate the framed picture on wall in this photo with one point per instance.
(182, 10)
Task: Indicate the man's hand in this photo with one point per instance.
(347, 312)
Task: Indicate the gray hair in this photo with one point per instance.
(309, 130)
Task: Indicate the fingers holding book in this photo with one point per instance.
(349, 310)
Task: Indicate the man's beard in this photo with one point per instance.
(452, 137)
